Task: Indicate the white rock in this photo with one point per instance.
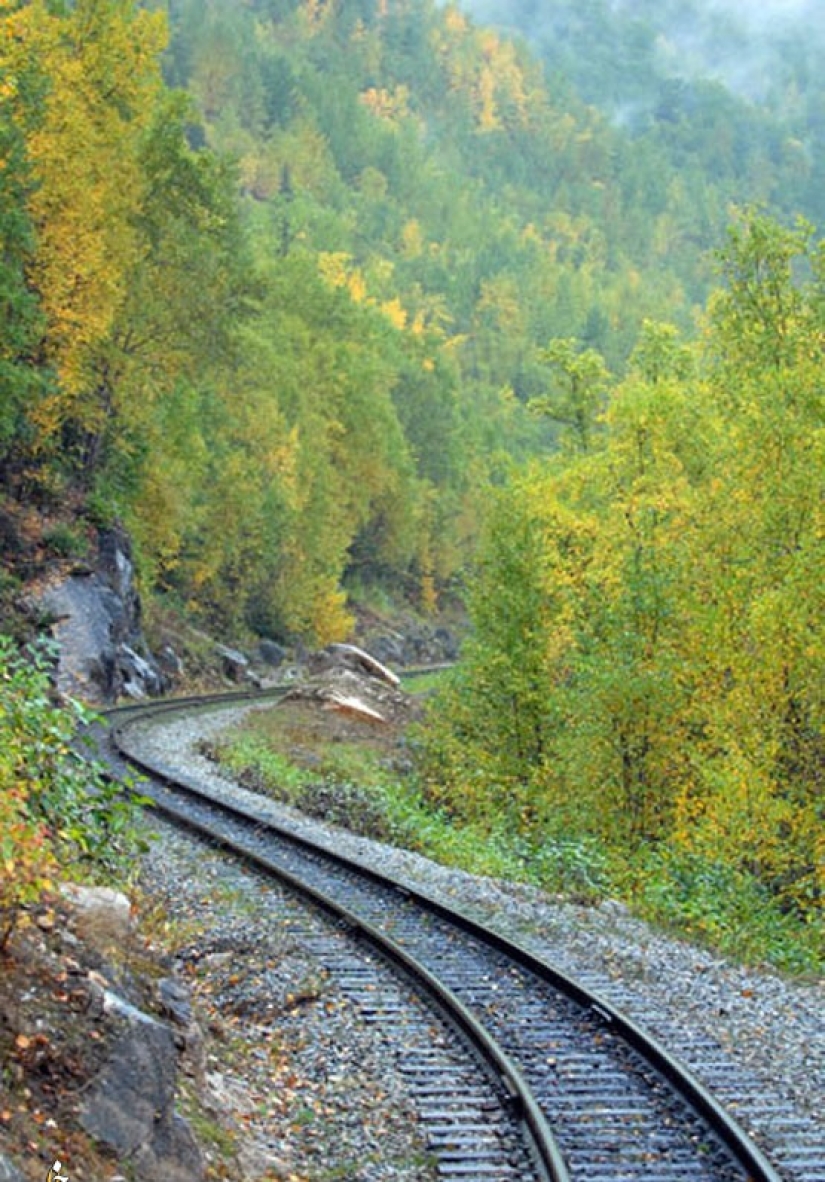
(100, 911)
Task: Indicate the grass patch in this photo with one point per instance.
(65, 541)
(425, 683)
(367, 804)
(361, 779)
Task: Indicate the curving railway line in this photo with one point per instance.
(534, 1076)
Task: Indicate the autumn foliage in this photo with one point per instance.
(648, 663)
(281, 280)
(302, 291)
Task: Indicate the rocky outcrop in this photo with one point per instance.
(410, 642)
(130, 1106)
(95, 616)
(97, 1034)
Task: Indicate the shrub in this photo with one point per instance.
(65, 542)
(574, 866)
(727, 908)
(58, 810)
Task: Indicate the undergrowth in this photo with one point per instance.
(355, 786)
(726, 909)
(60, 816)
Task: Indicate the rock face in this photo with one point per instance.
(130, 1105)
(93, 1037)
(97, 622)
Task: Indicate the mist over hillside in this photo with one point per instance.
(751, 49)
(683, 75)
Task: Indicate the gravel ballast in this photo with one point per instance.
(302, 1086)
(771, 1029)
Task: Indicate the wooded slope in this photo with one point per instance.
(287, 308)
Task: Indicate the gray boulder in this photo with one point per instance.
(138, 675)
(102, 916)
(235, 665)
(271, 653)
(129, 1106)
(169, 661)
(446, 645)
(388, 649)
(175, 1000)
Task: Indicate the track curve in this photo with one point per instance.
(597, 1097)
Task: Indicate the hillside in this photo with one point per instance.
(288, 313)
(730, 91)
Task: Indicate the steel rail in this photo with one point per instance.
(547, 1159)
(683, 1081)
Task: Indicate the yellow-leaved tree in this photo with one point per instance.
(99, 61)
(758, 597)
(648, 662)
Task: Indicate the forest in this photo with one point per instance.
(349, 297)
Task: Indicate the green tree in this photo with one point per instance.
(579, 384)
(494, 736)
(20, 378)
(676, 683)
(761, 568)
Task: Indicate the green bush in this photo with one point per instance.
(573, 866)
(59, 813)
(728, 909)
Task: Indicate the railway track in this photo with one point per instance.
(534, 1076)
